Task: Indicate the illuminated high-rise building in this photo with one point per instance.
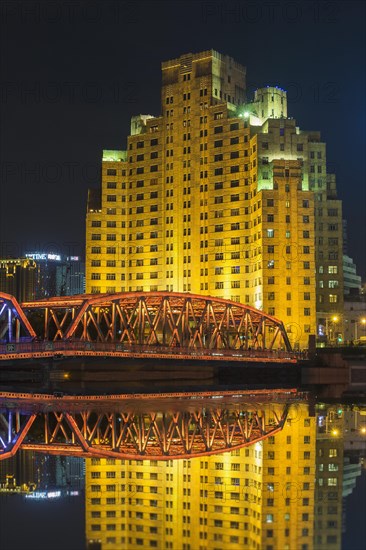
(258, 497)
(220, 196)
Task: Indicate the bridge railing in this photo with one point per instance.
(117, 348)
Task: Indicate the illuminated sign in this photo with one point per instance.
(39, 256)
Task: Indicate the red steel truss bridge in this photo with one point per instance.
(138, 324)
(80, 426)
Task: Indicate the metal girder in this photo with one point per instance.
(160, 318)
(161, 435)
(14, 324)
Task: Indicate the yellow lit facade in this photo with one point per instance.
(218, 197)
(258, 497)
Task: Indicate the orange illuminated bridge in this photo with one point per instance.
(137, 324)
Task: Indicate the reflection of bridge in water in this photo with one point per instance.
(165, 324)
(150, 326)
(167, 426)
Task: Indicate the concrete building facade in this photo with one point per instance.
(220, 196)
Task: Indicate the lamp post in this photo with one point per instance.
(333, 326)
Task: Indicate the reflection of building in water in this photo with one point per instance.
(70, 472)
(60, 471)
(341, 438)
(22, 466)
(36, 470)
(351, 471)
(11, 486)
(329, 475)
(258, 497)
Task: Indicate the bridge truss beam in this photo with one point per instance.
(14, 325)
(159, 318)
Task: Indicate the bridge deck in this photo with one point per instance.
(34, 350)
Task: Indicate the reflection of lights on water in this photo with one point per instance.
(42, 495)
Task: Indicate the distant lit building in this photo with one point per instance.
(57, 275)
(18, 277)
(351, 279)
(46, 273)
(354, 317)
(70, 276)
(220, 197)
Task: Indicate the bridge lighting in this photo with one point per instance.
(200, 432)
(192, 321)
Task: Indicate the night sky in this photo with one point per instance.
(74, 72)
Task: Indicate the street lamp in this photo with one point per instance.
(332, 328)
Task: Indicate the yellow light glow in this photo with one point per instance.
(335, 318)
(363, 320)
(335, 432)
(363, 430)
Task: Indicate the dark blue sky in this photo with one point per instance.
(73, 73)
